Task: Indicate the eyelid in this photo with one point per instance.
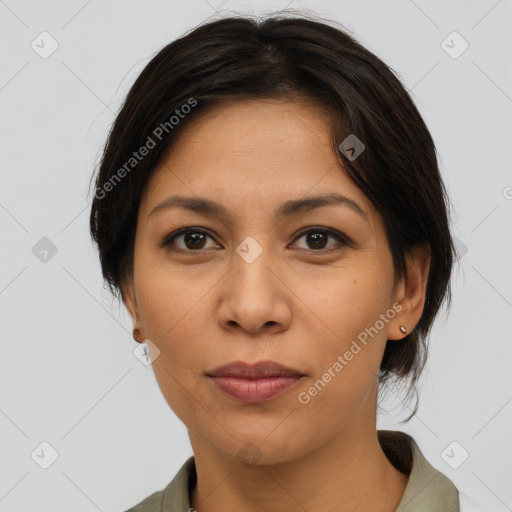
(343, 239)
(168, 239)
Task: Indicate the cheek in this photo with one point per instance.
(171, 298)
(168, 310)
(345, 381)
(357, 315)
(171, 315)
(352, 301)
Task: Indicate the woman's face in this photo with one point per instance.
(265, 283)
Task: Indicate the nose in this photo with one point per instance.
(254, 297)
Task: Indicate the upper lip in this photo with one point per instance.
(258, 370)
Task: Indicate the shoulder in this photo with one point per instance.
(427, 489)
(176, 496)
(153, 503)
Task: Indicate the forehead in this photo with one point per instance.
(254, 152)
(258, 128)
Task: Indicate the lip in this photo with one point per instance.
(243, 370)
(254, 383)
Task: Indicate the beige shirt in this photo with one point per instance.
(428, 490)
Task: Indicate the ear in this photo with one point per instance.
(130, 301)
(411, 291)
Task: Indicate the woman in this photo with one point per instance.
(270, 209)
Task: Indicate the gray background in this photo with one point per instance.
(68, 375)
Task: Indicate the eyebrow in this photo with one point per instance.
(293, 207)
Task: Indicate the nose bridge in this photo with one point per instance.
(253, 296)
(251, 264)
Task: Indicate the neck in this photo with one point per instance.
(349, 473)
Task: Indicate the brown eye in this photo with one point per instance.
(317, 239)
(194, 240)
(190, 240)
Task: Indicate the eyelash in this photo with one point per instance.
(343, 240)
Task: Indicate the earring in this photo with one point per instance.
(136, 334)
(403, 329)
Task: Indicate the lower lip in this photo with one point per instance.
(254, 390)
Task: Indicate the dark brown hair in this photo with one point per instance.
(241, 57)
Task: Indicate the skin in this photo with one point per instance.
(296, 304)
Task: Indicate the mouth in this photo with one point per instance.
(255, 383)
